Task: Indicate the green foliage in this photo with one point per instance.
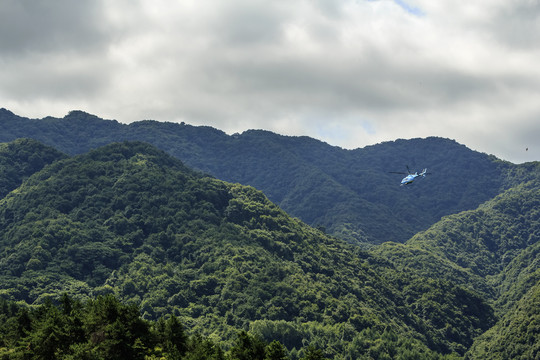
(129, 222)
(100, 328)
(494, 251)
(22, 158)
(200, 348)
(487, 239)
(174, 337)
(313, 354)
(516, 335)
(247, 348)
(275, 351)
(349, 193)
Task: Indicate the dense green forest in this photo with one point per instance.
(104, 328)
(20, 159)
(130, 228)
(348, 193)
(515, 336)
(127, 220)
(495, 250)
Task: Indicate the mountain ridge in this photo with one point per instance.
(129, 220)
(349, 193)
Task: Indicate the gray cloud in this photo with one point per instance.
(50, 26)
(351, 73)
(517, 26)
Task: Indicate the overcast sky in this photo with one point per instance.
(349, 72)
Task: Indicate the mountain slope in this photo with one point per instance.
(22, 158)
(486, 240)
(128, 220)
(350, 193)
(515, 336)
(493, 250)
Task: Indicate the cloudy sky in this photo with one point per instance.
(349, 72)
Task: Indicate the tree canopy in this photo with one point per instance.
(129, 228)
(349, 193)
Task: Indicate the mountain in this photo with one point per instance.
(22, 158)
(487, 239)
(495, 251)
(515, 336)
(348, 193)
(129, 220)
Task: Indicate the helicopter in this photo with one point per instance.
(407, 180)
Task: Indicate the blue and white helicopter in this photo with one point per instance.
(407, 180)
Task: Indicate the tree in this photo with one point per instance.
(276, 351)
(116, 330)
(312, 353)
(175, 338)
(247, 348)
(200, 348)
(49, 337)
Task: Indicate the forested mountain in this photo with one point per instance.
(494, 249)
(22, 158)
(349, 193)
(515, 336)
(130, 221)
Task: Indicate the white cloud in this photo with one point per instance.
(350, 72)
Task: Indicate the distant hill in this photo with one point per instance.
(129, 220)
(347, 193)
